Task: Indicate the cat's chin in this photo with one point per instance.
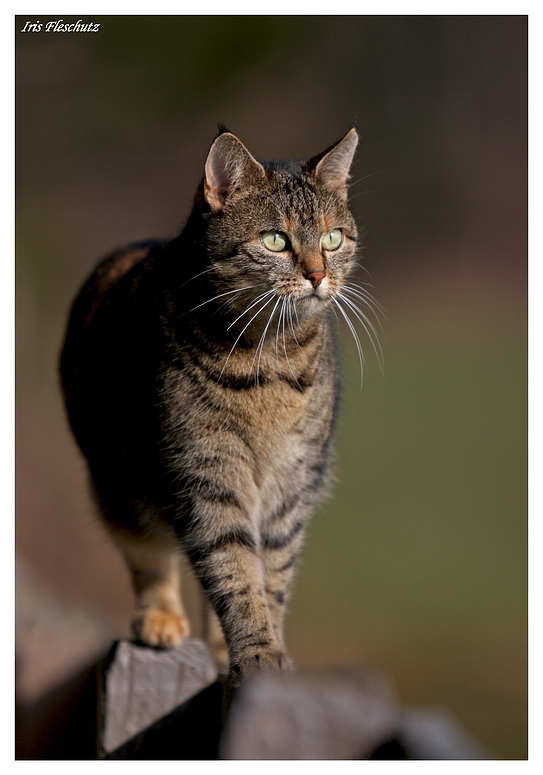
(313, 303)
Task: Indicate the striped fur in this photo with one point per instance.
(201, 383)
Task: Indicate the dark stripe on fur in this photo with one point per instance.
(226, 379)
(209, 491)
(203, 551)
(278, 596)
(282, 541)
(288, 564)
(285, 508)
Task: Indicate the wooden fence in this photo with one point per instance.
(141, 703)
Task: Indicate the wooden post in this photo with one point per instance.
(141, 685)
(329, 714)
(166, 704)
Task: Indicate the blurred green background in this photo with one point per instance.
(418, 560)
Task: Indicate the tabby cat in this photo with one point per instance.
(201, 383)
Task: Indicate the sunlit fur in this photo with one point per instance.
(201, 382)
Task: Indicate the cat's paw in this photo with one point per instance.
(161, 629)
(266, 661)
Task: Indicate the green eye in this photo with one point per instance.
(274, 240)
(333, 240)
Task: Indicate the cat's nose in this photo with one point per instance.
(316, 277)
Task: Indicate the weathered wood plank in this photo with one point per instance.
(332, 714)
(167, 705)
(338, 714)
(141, 685)
(191, 731)
(434, 733)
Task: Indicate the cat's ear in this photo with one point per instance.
(228, 167)
(331, 167)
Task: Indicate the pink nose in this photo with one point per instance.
(316, 277)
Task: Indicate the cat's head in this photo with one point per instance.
(278, 226)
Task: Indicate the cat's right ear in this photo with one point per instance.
(228, 167)
(332, 166)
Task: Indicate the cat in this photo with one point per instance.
(201, 382)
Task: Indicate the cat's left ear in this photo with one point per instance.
(332, 166)
(228, 167)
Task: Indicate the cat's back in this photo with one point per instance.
(103, 333)
(108, 272)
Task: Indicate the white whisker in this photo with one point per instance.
(367, 301)
(210, 269)
(365, 318)
(364, 292)
(224, 304)
(281, 312)
(296, 313)
(369, 191)
(260, 346)
(226, 293)
(356, 340)
(368, 327)
(365, 177)
(291, 323)
(285, 348)
(253, 304)
(243, 331)
(363, 268)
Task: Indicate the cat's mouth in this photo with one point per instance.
(315, 298)
(317, 290)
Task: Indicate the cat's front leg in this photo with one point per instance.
(160, 619)
(230, 570)
(281, 544)
(221, 538)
